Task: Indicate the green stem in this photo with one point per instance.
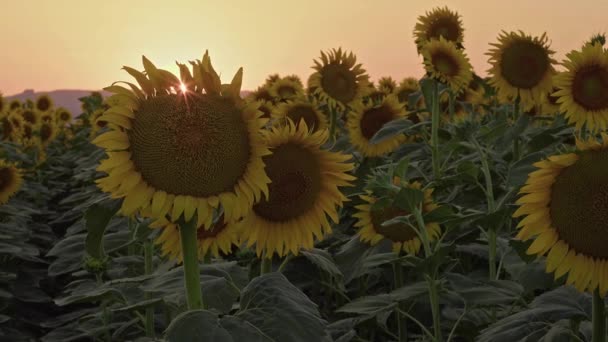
(435, 132)
(285, 261)
(333, 118)
(434, 297)
(401, 320)
(516, 148)
(599, 318)
(265, 264)
(191, 269)
(485, 167)
(148, 254)
(105, 317)
(451, 104)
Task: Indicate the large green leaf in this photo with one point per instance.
(97, 218)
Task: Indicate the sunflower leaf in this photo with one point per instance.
(391, 129)
(97, 218)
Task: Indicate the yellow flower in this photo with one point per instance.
(387, 85)
(440, 22)
(300, 109)
(407, 86)
(43, 103)
(446, 63)
(183, 152)
(565, 202)
(10, 180)
(285, 89)
(303, 192)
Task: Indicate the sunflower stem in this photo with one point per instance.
(148, 255)
(401, 319)
(516, 139)
(435, 310)
(435, 132)
(265, 264)
(333, 118)
(192, 279)
(451, 104)
(599, 318)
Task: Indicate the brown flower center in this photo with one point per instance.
(397, 232)
(524, 63)
(445, 64)
(590, 87)
(6, 178)
(339, 82)
(374, 118)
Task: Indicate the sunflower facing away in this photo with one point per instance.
(298, 110)
(285, 89)
(565, 203)
(10, 180)
(583, 88)
(406, 87)
(213, 237)
(365, 120)
(444, 62)
(439, 22)
(183, 153)
(521, 65)
(338, 80)
(43, 103)
(303, 192)
(403, 236)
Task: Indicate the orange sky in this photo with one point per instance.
(71, 44)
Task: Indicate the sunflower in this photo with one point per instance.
(9, 132)
(365, 120)
(14, 105)
(261, 94)
(300, 110)
(181, 153)
(63, 116)
(266, 107)
(406, 87)
(10, 180)
(565, 203)
(439, 23)
(296, 79)
(303, 192)
(43, 103)
(27, 137)
(338, 80)
(212, 237)
(444, 62)
(97, 124)
(460, 112)
(48, 132)
(285, 89)
(583, 87)
(387, 85)
(549, 103)
(521, 65)
(33, 117)
(47, 117)
(403, 236)
(271, 79)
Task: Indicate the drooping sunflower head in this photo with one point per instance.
(33, 117)
(407, 86)
(365, 120)
(387, 85)
(213, 238)
(304, 190)
(583, 88)
(521, 65)
(183, 152)
(439, 23)
(43, 103)
(338, 80)
(48, 132)
(402, 235)
(285, 89)
(300, 110)
(10, 180)
(565, 203)
(445, 62)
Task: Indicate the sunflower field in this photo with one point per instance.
(448, 208)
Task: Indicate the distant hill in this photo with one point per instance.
(67, 98)
(61, 98)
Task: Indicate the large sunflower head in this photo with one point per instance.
(365, 120)
(446, 63)
(407, 86)
(300, 110)
(213, 237)
(10, 180)
(338, 80)
(583, 88)
(439, 23)
(286, 89)
(521, 65)
(402, 235)
(183, 152)
(387, 85)
(303, 192)
(565, 204)
(43, 103)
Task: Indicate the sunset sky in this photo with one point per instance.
(73, 44)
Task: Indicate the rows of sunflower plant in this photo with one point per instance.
(447, 208)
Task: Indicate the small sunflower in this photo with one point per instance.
(14, 105)
(43, 103)
(365, 120)
(296, 79)
(444, 62)
(387, 85)
(403, 236)
(583, 88)
(300, 110)
(10, 180)
(31, 116)
(261, 94)
(338, 80)
(47, 117)
(48, 132)
(439, 23)
(183, 153)
(285, 89)
(28, 137)
(212, 237)
(304, 190)
(521, 65)
(407, 86)
(271, 79)
(9, 132)
(565, 203)
(63, 116)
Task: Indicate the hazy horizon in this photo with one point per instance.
(67, 45)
